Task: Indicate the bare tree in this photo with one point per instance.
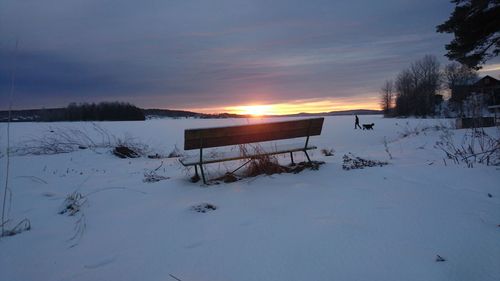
(427, 77)
(417, 88)
(456, 78)
(456, 74)
(387, 97)
(404, 93)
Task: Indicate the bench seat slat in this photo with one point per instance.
(241, 134)
(248, 138)
(236, 155)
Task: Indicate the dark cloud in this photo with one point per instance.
(193, 54)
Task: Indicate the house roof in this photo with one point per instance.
(487, 82)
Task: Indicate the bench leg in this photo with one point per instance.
(196, 177)
(307, 155)
(203, 174)
(291, 157)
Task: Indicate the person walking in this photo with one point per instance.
(356, 122)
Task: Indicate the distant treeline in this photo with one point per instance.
(158, 113)
(104, 111)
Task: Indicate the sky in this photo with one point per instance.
(214, 56)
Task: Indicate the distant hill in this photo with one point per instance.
(337, 113)
(47, 114)
(157, 113)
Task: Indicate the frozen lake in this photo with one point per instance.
(379, 223)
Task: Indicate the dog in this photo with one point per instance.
(368, 126)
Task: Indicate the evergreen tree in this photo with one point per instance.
(476, 27)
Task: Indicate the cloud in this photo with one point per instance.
(490, 68)
(197, 54)
(44, 76)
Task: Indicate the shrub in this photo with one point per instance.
(351, 162)
(125, 152)
(327, 152)
(204, 207)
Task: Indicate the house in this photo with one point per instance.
(475, 100)
(487, 86)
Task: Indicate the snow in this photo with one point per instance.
(380, 223)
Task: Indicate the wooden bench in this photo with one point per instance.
(245, 134)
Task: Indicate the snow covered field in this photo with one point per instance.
(381, 223)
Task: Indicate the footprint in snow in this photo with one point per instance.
(440, 258)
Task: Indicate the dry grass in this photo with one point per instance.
(151, 176)
(260, 165)
(73, 204)
(408, 131)
(65, 140)
(263, 165)
(476, 146)
(22, 226)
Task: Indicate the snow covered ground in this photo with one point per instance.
(380, 223)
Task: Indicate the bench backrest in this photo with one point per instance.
(223, 136)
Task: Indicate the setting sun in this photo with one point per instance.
(255, 110)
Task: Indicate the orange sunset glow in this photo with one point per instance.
(299, 106)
